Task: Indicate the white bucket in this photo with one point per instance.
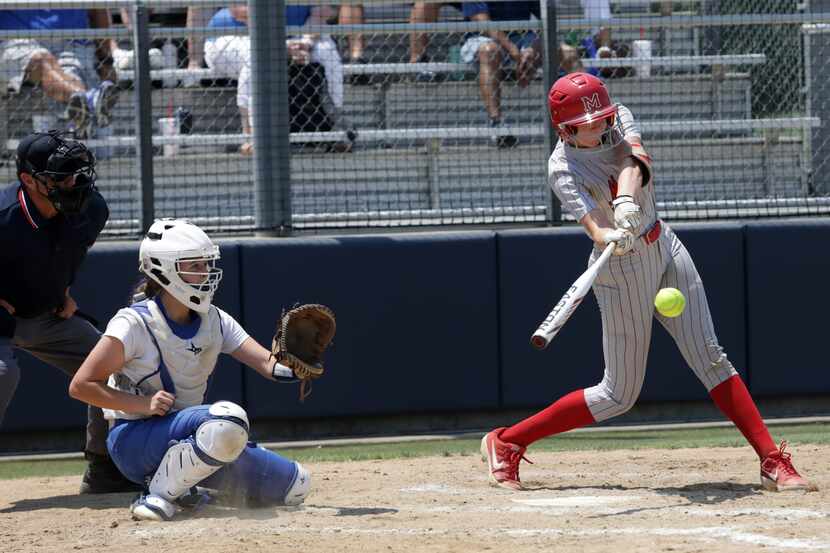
(642, 49)
(169, 126)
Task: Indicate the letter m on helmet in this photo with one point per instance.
(591, 103)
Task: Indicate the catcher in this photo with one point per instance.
(150, 373)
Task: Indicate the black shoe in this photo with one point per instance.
(507, 141)
(361, 79)
(77, 111)
(429, 77)
(102, 476)
(502, 140)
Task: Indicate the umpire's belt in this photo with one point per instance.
(652, 234)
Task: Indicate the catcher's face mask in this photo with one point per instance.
(202, 273)
(182, 259)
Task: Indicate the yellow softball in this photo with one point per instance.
(670, 302)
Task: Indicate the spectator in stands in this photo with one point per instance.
(523, 50)
(124, 58)
(598, 43)
(427, 12)
(424, 12)
(77, 75)
(598, 9)
(231, 55)
(352, 14)
(196, 18)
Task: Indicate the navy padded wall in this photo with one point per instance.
(416, 320)
(787, 325)
(394, 352)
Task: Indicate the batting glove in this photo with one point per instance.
(626, 213)
(623, 238)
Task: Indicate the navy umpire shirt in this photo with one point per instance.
(41, 256)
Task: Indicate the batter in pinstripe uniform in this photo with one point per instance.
(602, 175)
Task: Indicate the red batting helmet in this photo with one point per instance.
(578, 98)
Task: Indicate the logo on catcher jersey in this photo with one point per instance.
(591, 103)
(195, 350)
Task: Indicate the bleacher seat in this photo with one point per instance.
(460, 177)
(698, 162)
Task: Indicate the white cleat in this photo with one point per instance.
(152, 507)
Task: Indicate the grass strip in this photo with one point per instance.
(815, 433)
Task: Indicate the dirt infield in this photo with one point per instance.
(680, 500)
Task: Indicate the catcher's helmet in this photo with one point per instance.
(53, 154)
(170, 242)
(578, 98)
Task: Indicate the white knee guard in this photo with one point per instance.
(301, 487)
(224, 435)
(217, 442)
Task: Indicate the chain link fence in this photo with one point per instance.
(417, 114)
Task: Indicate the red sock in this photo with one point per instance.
(732, 397)
(567, 413)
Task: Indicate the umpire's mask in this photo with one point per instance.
(51, 155)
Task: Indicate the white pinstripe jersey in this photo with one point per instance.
(586, 178)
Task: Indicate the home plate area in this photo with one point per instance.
(681, 500)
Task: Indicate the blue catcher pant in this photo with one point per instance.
(258, 477)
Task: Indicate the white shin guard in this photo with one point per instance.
(217, 442)
(180, 470)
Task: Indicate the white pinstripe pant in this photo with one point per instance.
(625, 291)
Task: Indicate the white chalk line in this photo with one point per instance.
(475, 492)
(577, 500)
(583, 501)
(558, 506)
(772, 513)
(437, 488)
(735, 534)
(561, 504)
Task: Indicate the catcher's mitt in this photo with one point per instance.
(302, 336)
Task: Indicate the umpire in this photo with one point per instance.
(48, 222)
